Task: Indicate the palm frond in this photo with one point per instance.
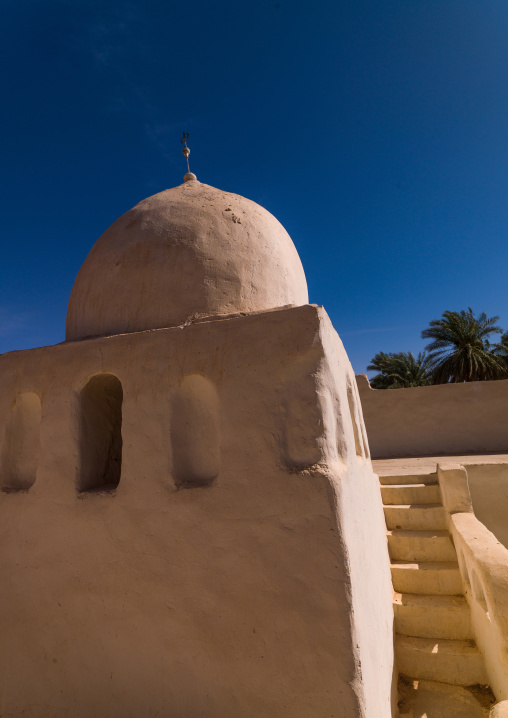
(460, 349)
(399, 370)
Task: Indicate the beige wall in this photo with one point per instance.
(241, 571)
(488, 484)
(483, 564)
(445, 419)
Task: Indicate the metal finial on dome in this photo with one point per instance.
(186, 152)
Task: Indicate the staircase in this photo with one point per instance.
(433, 640)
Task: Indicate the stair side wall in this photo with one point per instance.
(483, 563)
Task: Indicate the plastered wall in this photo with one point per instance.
(236, 566)
(444, 419)
(488, 484)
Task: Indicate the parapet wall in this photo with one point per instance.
(445, 419)
(488, 484)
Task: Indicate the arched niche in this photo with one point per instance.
(100, 440)
(195, 433)
(355, 419)
(20, 451)
(302, 413)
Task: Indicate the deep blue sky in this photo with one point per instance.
(376, 131)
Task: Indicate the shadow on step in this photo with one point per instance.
(430, 699)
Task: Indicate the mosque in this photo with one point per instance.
(191, 523)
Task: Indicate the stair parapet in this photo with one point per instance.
(500, 710)
(483, 564)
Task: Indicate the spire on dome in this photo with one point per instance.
(186, 152)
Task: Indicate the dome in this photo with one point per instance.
(188, 251)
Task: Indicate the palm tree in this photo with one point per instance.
(382, 363)
(500, 349)
(460, 349)
(399, 370)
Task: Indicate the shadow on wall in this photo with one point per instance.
(101, 434)
(20, 451)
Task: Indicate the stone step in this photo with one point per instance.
(415, 516)
(432, 699)
(408, 479)
(411, 494)
(407, 545)
(456, 662)
(441, 578)
(431, 616)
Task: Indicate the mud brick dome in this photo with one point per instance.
(188, 251)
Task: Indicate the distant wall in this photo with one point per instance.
(435, 420)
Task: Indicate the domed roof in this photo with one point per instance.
(188, 251)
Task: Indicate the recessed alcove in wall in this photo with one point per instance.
(354, 420)
(20, 451)
(100, 440)
(361, 422)
(302, 414)
(195, 433)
